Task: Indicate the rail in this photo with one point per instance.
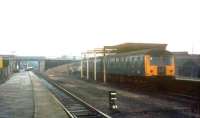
(74, 106)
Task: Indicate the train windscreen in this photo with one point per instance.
(167, 60)
(154, 60)
(161, 60)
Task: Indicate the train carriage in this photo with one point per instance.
(148, 63)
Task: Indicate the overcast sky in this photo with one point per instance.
(61, 27)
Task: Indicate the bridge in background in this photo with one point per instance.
(43, 63)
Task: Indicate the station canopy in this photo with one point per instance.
(127, 47)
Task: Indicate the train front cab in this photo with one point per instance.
(162, 67)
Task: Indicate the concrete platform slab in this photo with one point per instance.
(16, 97)
(24, 96)
(45, 104)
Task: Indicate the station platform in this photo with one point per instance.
(24, 96)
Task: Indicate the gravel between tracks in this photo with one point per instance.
(130, 104)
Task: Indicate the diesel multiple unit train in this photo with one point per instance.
(146, 64)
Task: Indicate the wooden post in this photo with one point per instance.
(87, 67)
(104, 66)
(81, 66)
(95, 73)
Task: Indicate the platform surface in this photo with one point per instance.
(24, 96)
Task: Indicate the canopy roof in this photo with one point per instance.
(126, 47)
(152, 52)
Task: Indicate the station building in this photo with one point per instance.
(7, 65)
(187, 64)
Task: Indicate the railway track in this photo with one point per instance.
(187, 95)
(183, 92)
(73, 106)
(190, 105)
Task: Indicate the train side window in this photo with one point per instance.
(129, 59)
(122, 59)
(126, 59)
(136, 58)
(141, 58)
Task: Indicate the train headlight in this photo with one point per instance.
(151, 71)
(171, 71)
